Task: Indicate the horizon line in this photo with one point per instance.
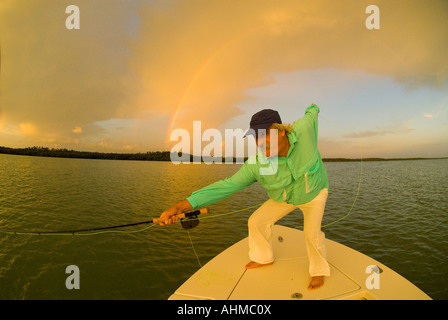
(4, 150)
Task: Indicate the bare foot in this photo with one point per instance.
(316, 283)
(253, 264)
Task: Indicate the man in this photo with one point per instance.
(294, 176)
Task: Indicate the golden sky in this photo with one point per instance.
(135, 70)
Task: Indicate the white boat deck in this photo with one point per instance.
(225, 278)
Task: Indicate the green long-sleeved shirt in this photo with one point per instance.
(298, 178)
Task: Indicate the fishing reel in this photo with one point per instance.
(191, 220)
(189, 223)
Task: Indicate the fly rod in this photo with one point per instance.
(188, 220)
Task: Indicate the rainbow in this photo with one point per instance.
(198, 73)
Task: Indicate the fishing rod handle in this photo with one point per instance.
(186, 215)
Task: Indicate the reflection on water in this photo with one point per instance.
(399, 218)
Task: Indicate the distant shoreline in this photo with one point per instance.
(148, 156)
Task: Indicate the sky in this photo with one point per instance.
(136, 70)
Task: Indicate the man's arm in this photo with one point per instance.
(311, 114)
(309, 123)
(210, 194)
(222, 189)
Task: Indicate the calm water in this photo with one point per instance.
(400, 218)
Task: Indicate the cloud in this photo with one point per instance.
(77, 130)
(28, 129)
(381, 131)
(196, 59)
(58, 78)
(199, 58)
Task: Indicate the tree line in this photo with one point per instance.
(65, 153)
(148, 156)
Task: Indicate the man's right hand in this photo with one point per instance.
(171, 215)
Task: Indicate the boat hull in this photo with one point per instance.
(352, 276)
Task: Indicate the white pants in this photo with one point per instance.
(260, 235)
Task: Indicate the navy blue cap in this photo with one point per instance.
(262, 120)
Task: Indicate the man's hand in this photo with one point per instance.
(171, 215)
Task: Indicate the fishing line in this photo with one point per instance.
(103, 230)
(360, 177)
(298, 185)
(197, 257)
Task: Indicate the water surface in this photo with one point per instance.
(394, 211)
